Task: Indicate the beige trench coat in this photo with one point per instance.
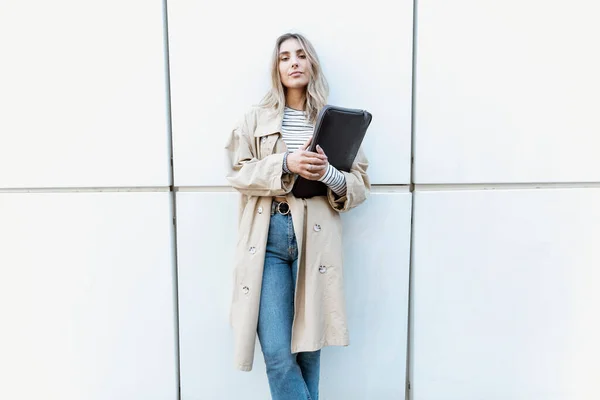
(255, 156)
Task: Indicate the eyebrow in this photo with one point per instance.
(287, 52)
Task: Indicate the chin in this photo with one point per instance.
(296, 85)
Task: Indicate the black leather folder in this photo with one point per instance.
(340, 132)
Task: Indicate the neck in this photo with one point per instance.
(295, 98)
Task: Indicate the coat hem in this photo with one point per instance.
(319, 346)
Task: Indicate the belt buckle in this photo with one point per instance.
(287, 208)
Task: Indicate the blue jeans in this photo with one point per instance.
(291, 376)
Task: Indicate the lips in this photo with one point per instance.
(296, 73)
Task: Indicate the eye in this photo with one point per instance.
(303, 56)
(284, 58)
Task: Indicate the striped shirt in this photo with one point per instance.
(296, 129)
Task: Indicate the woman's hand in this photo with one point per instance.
(308, 164)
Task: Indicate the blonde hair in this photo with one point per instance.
(317, 90)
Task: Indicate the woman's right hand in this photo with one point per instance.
(307, 164)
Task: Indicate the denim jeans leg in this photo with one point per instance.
(276, 315)
(309, 362)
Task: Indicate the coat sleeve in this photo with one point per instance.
(251, 176)
(358, 186)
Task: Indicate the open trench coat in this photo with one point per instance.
(255, 152)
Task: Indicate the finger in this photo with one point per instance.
(309, 176)
(313, 167)
(306, 144)
(314, 171)
(320, 153)
(314, 161)
(314, 158)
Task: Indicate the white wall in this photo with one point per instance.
(83, 94)
(504, 280)
(86, 279)
(505, 294)
(507, 92)
(505, 246)
(86, 296)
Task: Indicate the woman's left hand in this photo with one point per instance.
(324, 170)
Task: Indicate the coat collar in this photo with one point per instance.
(268, 122)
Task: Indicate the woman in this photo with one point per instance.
(288, 264)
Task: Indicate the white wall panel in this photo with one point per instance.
(376, 239)
(82, 98)
(507, 91)
(220, 59)
(377, 248)
(86, 297)
(506, 295)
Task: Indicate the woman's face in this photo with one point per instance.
(293, 65)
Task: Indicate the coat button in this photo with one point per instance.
(322, 269)
(317, 228)
(252, 250)
(264, 139)
(246, 289)
(260, 210)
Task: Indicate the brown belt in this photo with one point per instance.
(280, 199)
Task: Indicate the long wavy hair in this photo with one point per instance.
(317, 90)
